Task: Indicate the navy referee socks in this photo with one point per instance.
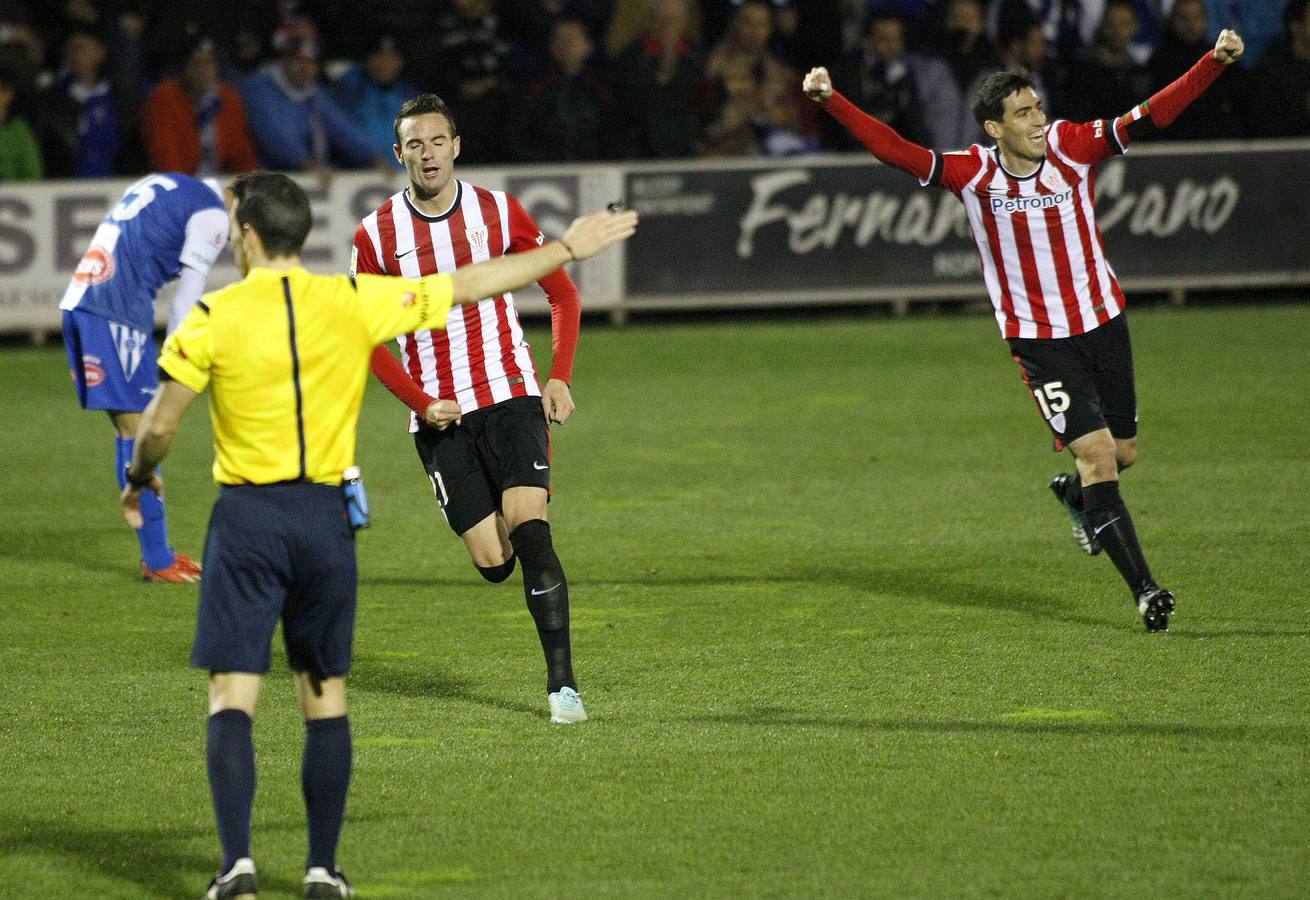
(325, 780)
(230, 754)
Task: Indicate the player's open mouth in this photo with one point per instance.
(430, 171)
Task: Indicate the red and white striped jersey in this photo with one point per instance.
(1042, 255)
(481, 357)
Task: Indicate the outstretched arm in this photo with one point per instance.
(1167, 103)
(881, 139)
(587, 236)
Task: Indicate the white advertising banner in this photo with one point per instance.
(46, 228)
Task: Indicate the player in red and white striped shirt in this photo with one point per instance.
(1030, 205)
(479, 417)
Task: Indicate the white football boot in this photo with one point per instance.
(566, 707)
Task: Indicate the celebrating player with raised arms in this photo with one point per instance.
(1029, 201)
(165, 226)
(479, 418)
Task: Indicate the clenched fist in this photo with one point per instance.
(817, 85)
(1229, 47)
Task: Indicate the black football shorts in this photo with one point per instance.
(493, 449)
(277, 552)
(1082, 383)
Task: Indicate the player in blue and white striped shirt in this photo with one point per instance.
(166, 226)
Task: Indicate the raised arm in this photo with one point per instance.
(881, 139)
(1166, 104)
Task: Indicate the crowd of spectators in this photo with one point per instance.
(121, 87)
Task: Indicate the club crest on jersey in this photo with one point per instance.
(1058, 423)
(92, 372)
(477, 238)
(96, 267)
(130, 346)
(1053, 180)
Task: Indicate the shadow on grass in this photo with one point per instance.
(1180, 631)
(68, 548)
(416, 581)
(772, 716)
(915, 584)
(426, 682)
(159, 860)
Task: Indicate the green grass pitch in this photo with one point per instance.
(833, 633)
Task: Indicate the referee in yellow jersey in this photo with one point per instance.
(285, 357)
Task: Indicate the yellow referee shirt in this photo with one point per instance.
(285, 355)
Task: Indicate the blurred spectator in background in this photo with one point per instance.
(61, 19)
(22, 53)
(1024, 48)
(717, 16)
(529, 24)
(296, 125)
(657, 78)
(78, 124)
(195, 124)
(570, 113)
(1282, 92)
(963, 45)
(20, 157)
(374, 91)
(1069, 26)
(474, 75)
(632, 18)
(1110, 81)
(884, 81)
(1259, 22)
(171, 25)
(753, 104)
(246, 56)
(921, 19)
(1218, 113)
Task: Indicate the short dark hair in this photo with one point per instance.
(989, 100)
(422, 105)
(276, 207)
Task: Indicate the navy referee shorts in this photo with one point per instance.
(277, 552)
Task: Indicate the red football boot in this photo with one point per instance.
(184, 570)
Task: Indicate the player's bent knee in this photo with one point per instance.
(497, 573)
(1126, 455)
(531, 539)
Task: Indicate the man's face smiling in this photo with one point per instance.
(428, 150)
(1021, 133)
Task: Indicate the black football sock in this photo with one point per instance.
(497, 574)
(325, 778)
(547, 594)
(230, 753)
(1073, 490)
(1107, 519)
